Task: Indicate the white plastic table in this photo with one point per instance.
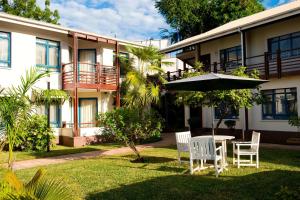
(222, 139)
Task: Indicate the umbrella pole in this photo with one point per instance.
(212, 121)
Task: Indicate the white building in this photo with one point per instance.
(93, 85)
(268, 41)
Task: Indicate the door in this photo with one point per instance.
(205, 59)
(196, 117)
(87, 65)
(88, 108)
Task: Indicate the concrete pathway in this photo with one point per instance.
(166, 141)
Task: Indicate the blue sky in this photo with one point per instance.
(127, 19)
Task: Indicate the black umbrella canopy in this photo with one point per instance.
(214, 81)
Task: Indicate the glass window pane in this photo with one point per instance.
(4, 49)
(88, 111)
(53, 56)
(267, 106)
(40, 54)
(4, 35)
(40, 41)
(285, 44)
(274, 47)
(296, 46)
(280, 104)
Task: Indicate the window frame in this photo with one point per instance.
(58, 122)
(292, 52)
(274, 115)
(225, 60)
(79, 109)
(48, 46)
(8, 61)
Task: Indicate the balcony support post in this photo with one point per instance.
(278, 56)
(118, 95)
(75, 78)
(215, 67)
(243, 53)
(267, 71)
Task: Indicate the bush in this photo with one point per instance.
(230, 123)
(37, 134)
(286, 193)
(131, 126)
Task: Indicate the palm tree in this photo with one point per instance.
(140, 90)
(15, 109)
(39, 187)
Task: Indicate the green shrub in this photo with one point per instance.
(131, 126)
(230, 123)
(286, 193)
(37, 134)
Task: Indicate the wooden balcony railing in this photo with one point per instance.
(91, 76)
(278, 64)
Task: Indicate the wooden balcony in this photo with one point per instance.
(269, 65)
(89, 76)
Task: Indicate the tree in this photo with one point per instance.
(39, 187)
(30, 9)
(224, 100)
(142, 84)
(130, 126)
(192, 17)
(15, 109)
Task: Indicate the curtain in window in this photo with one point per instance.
(54, 119)
(40, 54)
(4, 52)
(86, 66)
(88, 111)
(53, 56)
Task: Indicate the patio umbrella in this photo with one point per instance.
(213, 81)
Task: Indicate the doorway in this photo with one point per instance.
(205, 60)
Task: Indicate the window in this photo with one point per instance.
(232, 113)
(124, 61)
(231, 57)
(88, 109)
(47, 54)
(5, 50)
(289, 45)
(279, 103)
(55, 116)
(55, 121)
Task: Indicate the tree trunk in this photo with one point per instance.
(131, 145)
(220, 121)
(10, 156)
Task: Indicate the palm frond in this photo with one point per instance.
(35, 179)
(12, 180)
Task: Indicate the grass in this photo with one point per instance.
(58, 150)
(115, 177)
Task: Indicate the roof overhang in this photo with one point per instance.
(12, 19)
(236, 26)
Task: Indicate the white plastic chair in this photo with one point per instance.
(250, 148)
(182, 141)
(205, 149)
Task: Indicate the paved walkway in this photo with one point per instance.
(166, 141)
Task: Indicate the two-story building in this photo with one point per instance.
(268, 41)
(84, 64)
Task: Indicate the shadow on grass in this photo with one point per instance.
(60, 152)
(262, 185)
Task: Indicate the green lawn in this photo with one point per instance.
(58, 150)
(161, 177)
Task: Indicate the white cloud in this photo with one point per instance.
(128, 19)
